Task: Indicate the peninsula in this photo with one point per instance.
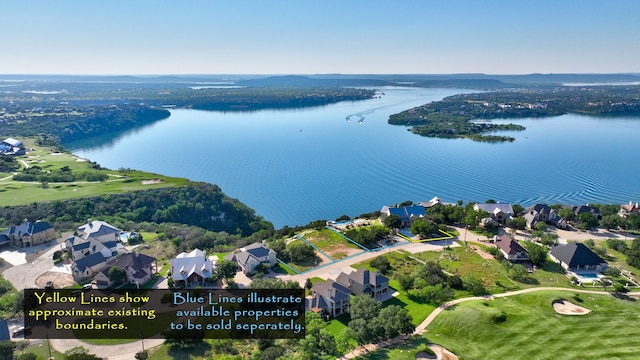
(469, 115)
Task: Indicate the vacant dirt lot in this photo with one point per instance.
(60, 280)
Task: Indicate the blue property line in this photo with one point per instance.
(288, 267)
(341, 234)
(315, 247)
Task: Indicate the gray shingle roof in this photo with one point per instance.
(574, 254)
(89, 261)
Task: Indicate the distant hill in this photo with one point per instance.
(464, 83)
(305, 81)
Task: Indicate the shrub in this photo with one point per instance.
(499, 318)
(612, 272)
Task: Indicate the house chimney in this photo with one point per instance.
(366, 277)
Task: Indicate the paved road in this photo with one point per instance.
(24, 276)
(326, 271)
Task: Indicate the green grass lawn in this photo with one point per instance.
(42, 351)
(404, 351)
(464, 261)
(419, 310)
(533, 330)
(19, 193)
(220, 255)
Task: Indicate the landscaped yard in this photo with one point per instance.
(532, 329)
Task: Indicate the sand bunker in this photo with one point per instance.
(440, 354)
(566, 308)
(153, 181)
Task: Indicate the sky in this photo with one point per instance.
(319, 37)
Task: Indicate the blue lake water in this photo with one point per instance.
(298, 165)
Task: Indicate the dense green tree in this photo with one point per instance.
(117, 274)
(518, 272)
(301, 253)
(613, 221)
(540, 226)
(537, 254)
(382, 264)
(142, 355)
(567, 214)
(395, 321)
(633, 253)
(318, 341)
(6, 349)
(549, 239)
(587, 221)
(430, 273)
(517, 208)
(227, 269)
(79, 353)
(472, 217)
(345, 342)
(433, 294)
(424, 228)
(364, 332)
(392, 221)
(633, 222)
(273, 283)
(474, 285)
(617, 245)
(518, 223)
(405, 281)
(363, 307)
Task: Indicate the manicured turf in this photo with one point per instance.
(21, 193)
(533, 330)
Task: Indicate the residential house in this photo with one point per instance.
(191, 269)
(510, 248)
(543, 212)
(83, 248)
(363, 281)
(138, 268)
(96, 244)
(250, 256)
(577, 257)
(99, 230)
(631, 208)
(28, 234)
(498, 212)
(11, 147)
(433, 202)
(88, 266)
(329, 298)
(586, 209)
(407, 214)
